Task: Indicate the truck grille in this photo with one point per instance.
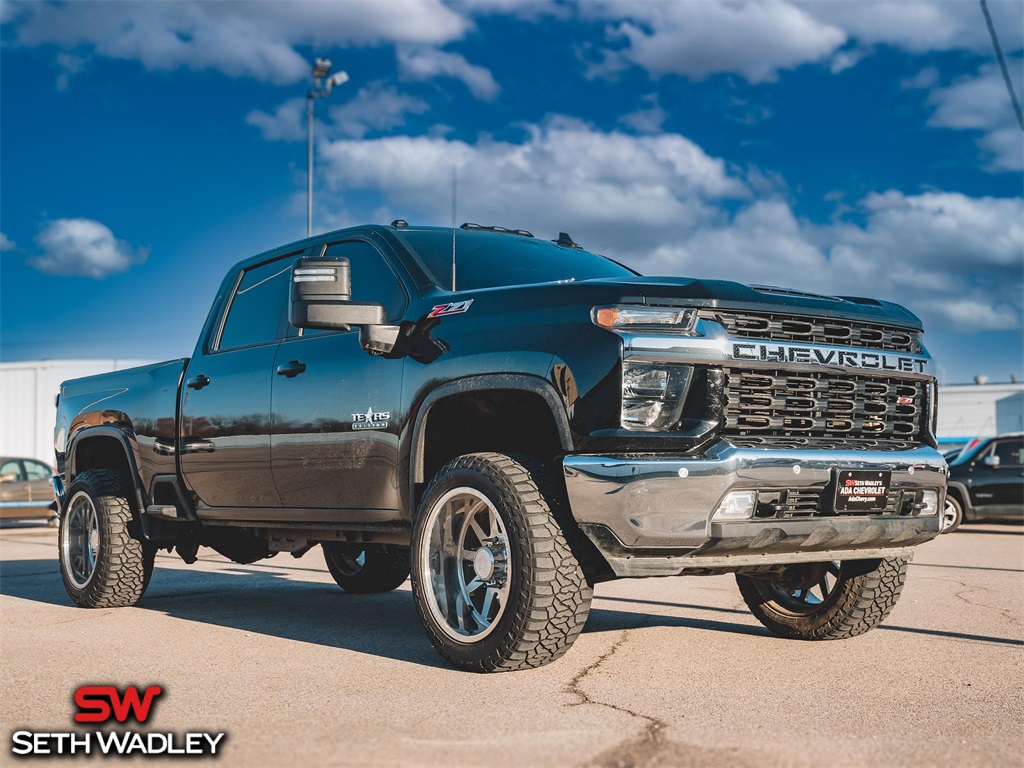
(770, 403)
(816, 330)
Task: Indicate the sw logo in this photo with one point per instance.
(98, 703)
(103, 704)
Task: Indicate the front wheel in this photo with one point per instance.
(825, 601)
(496, 583)
(367, 569)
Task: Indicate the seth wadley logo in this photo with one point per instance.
(103, 703)
(371, 419)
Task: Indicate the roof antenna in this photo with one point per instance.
(455, 189)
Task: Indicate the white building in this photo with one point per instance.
(979, 410)
(28, 397)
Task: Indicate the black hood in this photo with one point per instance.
(724, 294)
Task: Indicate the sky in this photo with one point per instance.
(854, 148)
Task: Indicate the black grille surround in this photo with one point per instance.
(804, 329)
(769, 408)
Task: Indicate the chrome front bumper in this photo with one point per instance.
(652, 515)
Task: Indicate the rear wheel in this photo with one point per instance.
(952, 514)
(101, 562)
(495, 581)
(825, 601)
(367, 569)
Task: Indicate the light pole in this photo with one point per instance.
(321, 89)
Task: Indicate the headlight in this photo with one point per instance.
(653, 395)
(647, 319)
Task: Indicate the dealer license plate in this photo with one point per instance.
(862, 490)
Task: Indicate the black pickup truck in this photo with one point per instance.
(513, 420)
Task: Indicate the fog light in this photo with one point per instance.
(930, 500)
(645, 414)
(737, 505)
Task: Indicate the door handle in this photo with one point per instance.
(198, 382)
(291, 369)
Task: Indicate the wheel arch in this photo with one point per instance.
(958, 492)
(540, 411)
(106, 448)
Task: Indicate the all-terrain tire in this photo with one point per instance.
(864, 593)
(367, 570)
(549, 595)
(123, 564)
(952, 514)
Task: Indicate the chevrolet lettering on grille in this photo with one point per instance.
(843, 358)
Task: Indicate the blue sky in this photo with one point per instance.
(855, 148)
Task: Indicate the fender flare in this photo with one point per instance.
(491, 381)
(130, 455)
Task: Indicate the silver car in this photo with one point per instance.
(26, 491)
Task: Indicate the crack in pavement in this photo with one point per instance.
(961, 594)
(632, 751)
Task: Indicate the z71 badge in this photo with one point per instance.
(371, 419)
(452, 308)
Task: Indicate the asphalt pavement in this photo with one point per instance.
(669, 672)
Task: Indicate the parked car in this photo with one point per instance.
(986, 480)
(26, 490)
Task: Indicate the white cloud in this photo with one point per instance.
(6, 244)
(424, 64)
(981, 103)
(759, 38)
(649, 119)
(286, 123)
(374, 108)
(253, 39)
(754, 39)
(631, 190)
(918, 27)
(663, 205)
(69, 65)
(83, 248)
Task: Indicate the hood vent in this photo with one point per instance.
(776, 291)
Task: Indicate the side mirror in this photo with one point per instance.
(10, 477)
(992, 461)
(321, 297)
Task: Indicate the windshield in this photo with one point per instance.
(494, 259)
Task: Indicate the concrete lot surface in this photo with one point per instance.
(669, 672)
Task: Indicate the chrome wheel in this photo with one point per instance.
(464, 564)
(950, 515)
(80, 539)
(804, 589)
